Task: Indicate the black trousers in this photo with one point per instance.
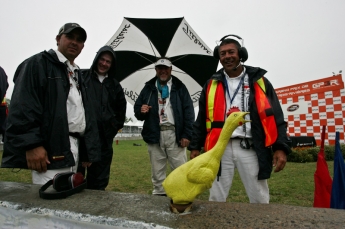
(98, 174)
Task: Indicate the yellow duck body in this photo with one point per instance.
(191, 179)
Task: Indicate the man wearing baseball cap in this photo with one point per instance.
(50, 112)
(167, 109)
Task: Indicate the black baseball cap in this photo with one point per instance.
(69, 27)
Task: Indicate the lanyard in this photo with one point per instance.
(237, 89)
(164, 105)
(73, 74)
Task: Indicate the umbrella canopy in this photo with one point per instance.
(140, 41)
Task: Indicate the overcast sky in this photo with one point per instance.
(294, 40)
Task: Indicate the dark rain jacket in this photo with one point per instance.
(109, 101)
(38, 114)
(182, 106)
(264, 153)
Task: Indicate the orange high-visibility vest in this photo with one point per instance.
(216, 108)
(215, 112)
(265, 112)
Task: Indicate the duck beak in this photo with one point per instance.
(246, 120)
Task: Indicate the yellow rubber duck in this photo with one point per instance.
(191, 179)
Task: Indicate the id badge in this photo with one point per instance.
(164, 118)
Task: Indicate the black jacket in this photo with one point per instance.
(182, 106)
(109, 101)
(38, 114)
(264, 154)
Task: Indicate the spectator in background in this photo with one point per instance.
(167, 109)
(3, 105)
(110, 106)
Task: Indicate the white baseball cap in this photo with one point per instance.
(164, 62)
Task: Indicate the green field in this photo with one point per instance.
(130, 173)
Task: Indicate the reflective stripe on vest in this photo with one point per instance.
(3, 102)
(265, 112)
(215, 112)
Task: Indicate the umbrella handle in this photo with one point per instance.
(149, 98)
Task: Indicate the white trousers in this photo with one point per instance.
(167, 151)
(246, 162)
(42, 178)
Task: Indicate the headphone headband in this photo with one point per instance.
(242, 52)
(233, 35)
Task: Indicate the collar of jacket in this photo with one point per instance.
(176, 83)
(254, 73)
(51, 56)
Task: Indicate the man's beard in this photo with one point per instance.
(164, 81)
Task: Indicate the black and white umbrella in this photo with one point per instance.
(140, 41)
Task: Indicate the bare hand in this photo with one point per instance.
(184, 142)
(37, 159)
(145, 108)
(86, 164)
(279, 160)
(194, 153)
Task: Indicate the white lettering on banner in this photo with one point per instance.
(296, 92)
(117, 41)
(325, 84)
(193, 37)
(305, 86)
(305, 144)
(282, 90)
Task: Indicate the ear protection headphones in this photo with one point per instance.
(65, 184)
(242, 52)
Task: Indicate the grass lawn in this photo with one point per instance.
(130, 173)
